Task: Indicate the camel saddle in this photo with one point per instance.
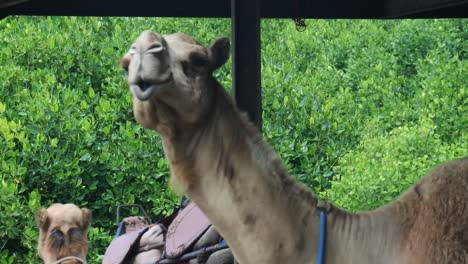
(186, 228)
(122, 247)
(182, 233)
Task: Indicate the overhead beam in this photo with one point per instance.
(221, 8)
(246, 82)
(426, 8)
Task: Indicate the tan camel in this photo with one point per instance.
(63, 230)
(219, 160)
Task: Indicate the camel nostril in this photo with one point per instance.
(156, 47)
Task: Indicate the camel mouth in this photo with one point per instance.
(145, 90)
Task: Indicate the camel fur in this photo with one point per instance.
(219, 159)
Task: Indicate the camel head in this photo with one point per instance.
(170, 77)
(63, 233)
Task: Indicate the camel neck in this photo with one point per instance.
(364, 238)
(245, 190)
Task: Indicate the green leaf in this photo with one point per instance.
(51, 43)
(2, 108)
(85, 157)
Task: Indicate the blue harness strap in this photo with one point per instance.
(322, 236)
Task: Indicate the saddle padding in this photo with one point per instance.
(189, 224)
(122, 247)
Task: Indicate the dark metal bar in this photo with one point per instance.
(221, 8)
(131, 206)
(246, 82)
(427, 8)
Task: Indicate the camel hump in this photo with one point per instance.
(448, 179)
(434, 215)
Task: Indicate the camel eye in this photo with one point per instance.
(57, 238)
(57, 234)
(199, 62)
(194, 65)
(74, 234)
(185, 67)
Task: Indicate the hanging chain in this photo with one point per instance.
(300, 22)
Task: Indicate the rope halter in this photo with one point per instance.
(62, 260)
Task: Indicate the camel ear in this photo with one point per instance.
(87, 216)
(125, 62)
(42, 220)
(219, 52)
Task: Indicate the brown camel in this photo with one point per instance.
(63, 232)
(219, 160)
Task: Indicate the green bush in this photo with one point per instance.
(347, 105)
(324, 86)
(384, 165)
(68, 127)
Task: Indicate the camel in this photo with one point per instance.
(218, 158)
(63, 232)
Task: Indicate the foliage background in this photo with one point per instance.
(358, 110)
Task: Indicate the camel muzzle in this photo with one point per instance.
(145, 90)
(150, 66)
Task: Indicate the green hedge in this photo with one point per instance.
(350, 106)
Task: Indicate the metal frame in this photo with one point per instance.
(246, 81)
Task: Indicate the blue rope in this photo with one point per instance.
(222, 243)
(322, 236)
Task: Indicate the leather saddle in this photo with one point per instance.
(186, 228)
(182, 233)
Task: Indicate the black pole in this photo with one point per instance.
(246, 82)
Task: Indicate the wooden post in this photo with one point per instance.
(246, 82)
